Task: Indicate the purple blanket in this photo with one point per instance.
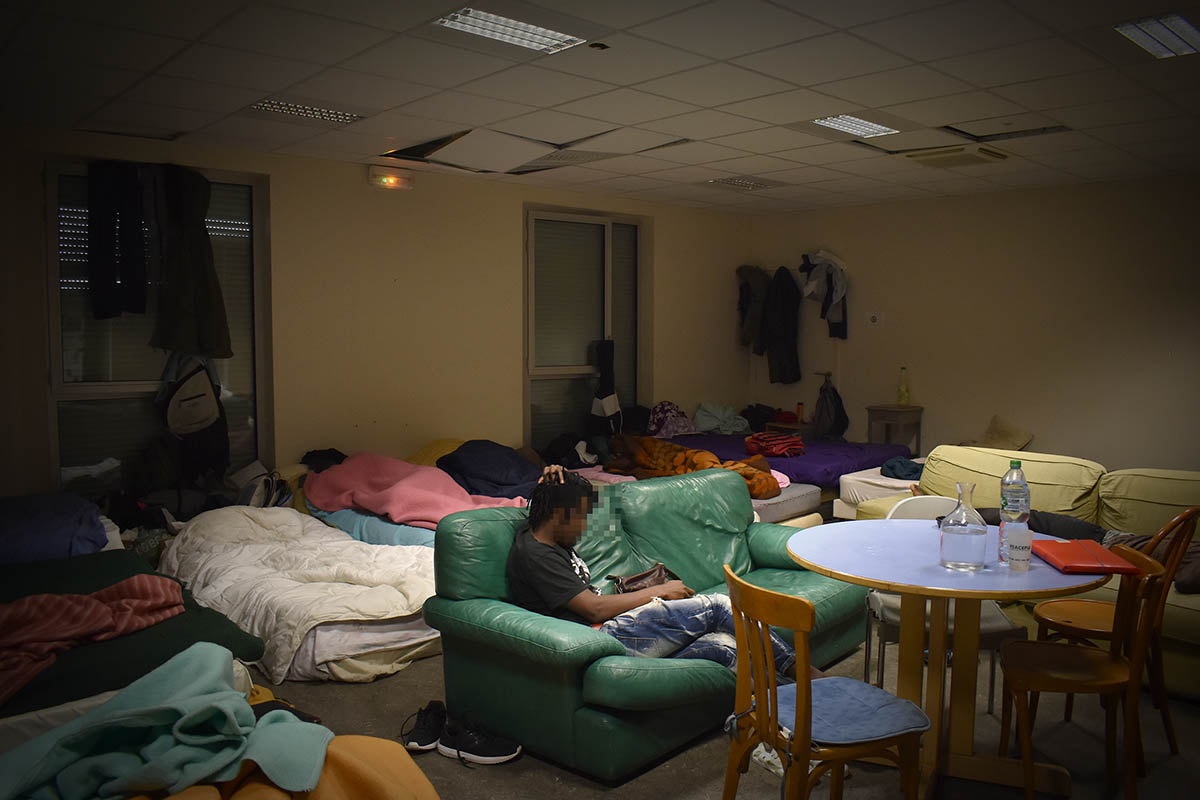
(822, 463)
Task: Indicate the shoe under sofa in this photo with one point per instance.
(568, 692)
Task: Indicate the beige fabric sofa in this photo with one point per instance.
(1134, 500)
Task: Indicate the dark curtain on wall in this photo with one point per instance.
(146, 224)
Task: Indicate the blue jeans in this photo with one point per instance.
(696, 627)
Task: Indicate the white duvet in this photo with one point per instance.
(277, 573)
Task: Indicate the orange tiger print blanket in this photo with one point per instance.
(648, 457)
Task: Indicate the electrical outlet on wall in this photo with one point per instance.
(874, 319)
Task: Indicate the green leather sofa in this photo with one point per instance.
(566, 691)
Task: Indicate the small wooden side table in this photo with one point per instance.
(806, 430)
(892, 424)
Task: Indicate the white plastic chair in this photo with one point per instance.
(883, 608)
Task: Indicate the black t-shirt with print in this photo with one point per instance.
(544, 577)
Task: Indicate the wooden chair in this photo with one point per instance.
(829, 720)
(1085, 621)
(883, 608)
(1113, 673)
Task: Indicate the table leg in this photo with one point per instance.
(912, 643)
(935, 682)
(964, 676)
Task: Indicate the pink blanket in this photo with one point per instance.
(410, 494)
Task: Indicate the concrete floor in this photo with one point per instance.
(380, 708)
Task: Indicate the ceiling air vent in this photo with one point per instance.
(966, 156)
(744, 183)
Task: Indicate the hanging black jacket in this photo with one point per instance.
(781, 323)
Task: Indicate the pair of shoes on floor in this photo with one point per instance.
(433, 728)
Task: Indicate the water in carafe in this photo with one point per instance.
(964, 534)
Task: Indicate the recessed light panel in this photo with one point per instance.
(312, 112)
(503, 29)
(1162, 37)
(859, 127)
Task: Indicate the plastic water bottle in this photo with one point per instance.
(1014, 504)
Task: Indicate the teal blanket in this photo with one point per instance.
(177, 726)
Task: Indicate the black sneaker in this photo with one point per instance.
(459, 741)
(423, 733)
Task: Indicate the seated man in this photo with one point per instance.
(670, 620)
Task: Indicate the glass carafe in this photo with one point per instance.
(964, 534)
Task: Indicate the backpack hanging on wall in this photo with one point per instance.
(196, 418)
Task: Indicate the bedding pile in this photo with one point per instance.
(649, 457)
(278, 574)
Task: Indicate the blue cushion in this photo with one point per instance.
(846, 711)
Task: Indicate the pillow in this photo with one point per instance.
(1060, 525)
(38, 527)
(1187, 576)
(430, 453)
(1002, 435)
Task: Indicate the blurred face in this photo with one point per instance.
(571, 523)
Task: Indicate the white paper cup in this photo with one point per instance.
(1020, 546)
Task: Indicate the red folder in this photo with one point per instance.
(1081, 555)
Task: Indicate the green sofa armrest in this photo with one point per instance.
(643, 684)
(768, 545)
(548, 640)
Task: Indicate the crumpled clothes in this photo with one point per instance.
(667, 420)
(716, 418)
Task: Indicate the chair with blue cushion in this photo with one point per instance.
(828, 720)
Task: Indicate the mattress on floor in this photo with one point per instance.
(821, 464)
(867, 484)
(793, 500)
(360, 651)
(372, 528)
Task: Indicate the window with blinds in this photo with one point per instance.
(108, 373)
(582, 289)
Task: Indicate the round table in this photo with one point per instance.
(902, 556)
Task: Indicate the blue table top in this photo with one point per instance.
(902, 555)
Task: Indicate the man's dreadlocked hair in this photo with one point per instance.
(550, 495)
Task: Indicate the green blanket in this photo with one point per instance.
(114, 664)
(180, 725)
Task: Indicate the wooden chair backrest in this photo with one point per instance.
(1179, 531)
(1137, 603)
(754, 610)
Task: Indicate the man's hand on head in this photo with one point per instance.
(553, 473)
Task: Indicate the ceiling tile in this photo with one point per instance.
(1067, 90)
(954, 108)
(405, 127)
(468, 109)
(626, 106)
(182, 20)
(1115, 112)
(1149, 131)
(1188, 101)
(803, 175)
(552, 126)
(64, 97)
(624, 140)
(952, 29)
(1073, 159)
(957, 184)
(285, 33)
(787, 107)
(911, 140)
(490, 151)
(822, 59)
(752, 165)
(730, 28)
(888, 167)
(386, 14)
(1167, 74)
(1043, 58)
(187, 93)
(617, 13)
(1006, 124)
(632, 165)
(567, 176)
(1013, 163)
(239, 131)
(627, 60)
(768, 140)
(359, 92)
(1034, 175)
(1069, 15)
(894, 86)
(177, 120)
(238, 68)
(695, 153)
(628, 183)
(426, 62)
(355, 144)
(1048, 143)
(49, 43)
(535, 86)
(692, 174)
(828, 153)
(714, 85)
(703, 124)
(847, 183)
(848, 13)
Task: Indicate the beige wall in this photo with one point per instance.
(1069, 311)
(397, 316)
